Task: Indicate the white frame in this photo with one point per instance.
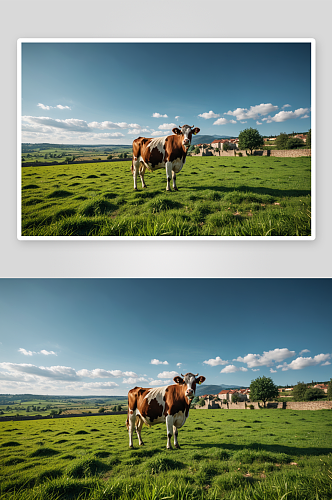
(312, 41)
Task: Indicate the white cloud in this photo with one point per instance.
(223, 121)
(253, 112)
(305, 116)
(209, 115)
(25, 352)
(58, 106)
(178, 364)
(47, 353)
(287, 115)
(215, 362)
(52, 372)
(259, 123)
(71, 124)
(167, 126)
(233, 369)
(266, 359)
(42, 106)
(134, 380)
(167, 374)
(100, 373)
(160, 383)
(99, 385)
(176, 117)
(300, 362)
(158, 115)
(303, 351)
(157, 362)
(285, 106)
(160, 134)
(326, 363)
(255, 369)
(273, 371)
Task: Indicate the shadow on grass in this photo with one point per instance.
(256, 190)
(278, 448)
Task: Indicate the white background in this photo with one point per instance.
(166, 19)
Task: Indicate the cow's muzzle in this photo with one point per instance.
(189, 393)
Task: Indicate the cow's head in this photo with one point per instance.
(187, 133)
(190, 381)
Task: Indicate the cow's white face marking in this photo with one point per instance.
(159, 143)
(186, 140)
(189, 379)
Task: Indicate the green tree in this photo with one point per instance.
(119, 408)
(294, 142)
(329, 390)
(299, 391)
(101, 410)
(308, 141)
(313, 393)
(281, 141)
(263, 389)
(235, 398)
(195, 400)
(109, 157)
(201, 402)
(196, 151)
(225, 146)
(250, 139)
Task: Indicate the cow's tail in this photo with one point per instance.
(136, 151)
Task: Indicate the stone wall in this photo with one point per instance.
(288, 405)
(289, 153)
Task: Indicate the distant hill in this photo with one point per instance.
(207, 139)
(213, 389)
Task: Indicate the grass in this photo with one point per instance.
(236, 454)
(249, 196)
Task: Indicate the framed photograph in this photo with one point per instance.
(166, 139)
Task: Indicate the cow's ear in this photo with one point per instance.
(200, 380)
(176, 131)
(196, 130)
(178, 380)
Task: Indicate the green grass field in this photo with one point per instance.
(225, 454)
(249, 196)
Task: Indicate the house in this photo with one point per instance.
(219, 143)
(301, 136)
(228, 394)
(321, 386)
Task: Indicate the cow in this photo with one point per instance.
(168, 404)
(162, 152)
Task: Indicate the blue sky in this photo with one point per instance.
(104, 336)
(110, 93)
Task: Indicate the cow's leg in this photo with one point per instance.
(169, 429)
(139, 425)
(135, 169)
(141, 174)
(174, 181)
(168, 174)
(175, 432)
(131, 426)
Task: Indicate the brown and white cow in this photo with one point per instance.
(162, 152)
(168, 404)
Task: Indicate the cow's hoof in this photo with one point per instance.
(144, 187)
(135, 189)
(169, 448)
(175, 189)
(142, 444)
(177, 446)
(131, 446)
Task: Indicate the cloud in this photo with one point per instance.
(158, 115)
(266, 359)
(157, 362)
(209, 115)
(326, 363)
(305, 116)
(47, 353)
(233, 369)
(176, 117)
(58, 106)
(99, 385)
(285, 106)
(160, 383)
(25, 352)
(300, 362)
(160, 134)
(259, 123)
(253, 112)
(255, 369)
(287, 115)
(167, 374)
(215, 362)
(304, 351)
(53, 372)
(100, 373)
(134, 380)
(178, 364)
(273, 371)
(70, 124)
(167, 126)
(223, 121)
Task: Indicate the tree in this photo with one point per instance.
(101, 410)
(250, 139)
(263, 389)
(299, 391)
(308, 141)
(235, 398)
(195, 400)
(225, 146)
(281, 141)
(196, 151)
(329, 390)
(119, 407)
(294, 142)
(109, 157)
(201, 402)
(313, 393)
